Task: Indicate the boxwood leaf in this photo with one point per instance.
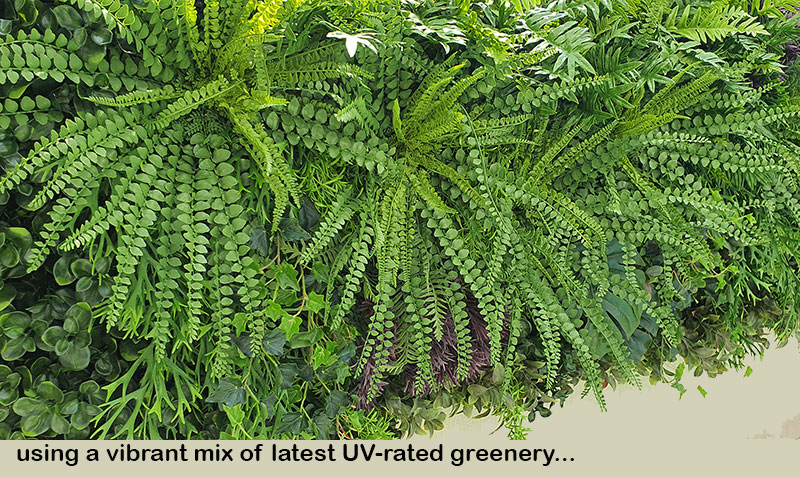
(67, 17)
(59, 424)
(83, 415)
(75, 358)
(17, 347)
(9, 257)
(90, 388)
(7, 295)
(49, 391)
(53, 335)
(36, 424)
(15, 324)
(62, 272)
(70, 407)
(26, 406)
(78, 318)
(62, 346)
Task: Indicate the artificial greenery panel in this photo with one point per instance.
(325, 219)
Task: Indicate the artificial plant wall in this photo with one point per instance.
(321, 219)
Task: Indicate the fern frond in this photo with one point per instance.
(537, 174)
(453, 176)
(566, 160)
(109, 214)
(266, 15)
(274, 169)
(675, 100)
(424, 104)
(425, 190)
(356, 270)
(712, 24)
(581, 223)
(212, 26)
(138, 97)
(446, 68)
(359, 111)
(339, 213)
(192, 100)
(188, 14)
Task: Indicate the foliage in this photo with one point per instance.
(269, 219)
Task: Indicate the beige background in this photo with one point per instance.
(744, 427)
(764, 405)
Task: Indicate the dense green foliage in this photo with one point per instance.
(268, 219)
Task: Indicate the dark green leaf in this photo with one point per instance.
(36, 424)
(7, 295)
(622, 313)
(84, 415)
(26, 406)
(49, 391)
(81, 268)
(78, 318)
(75, 358)
(53, 335)
(291, 231)
(62, 272)
(305, 339)
(259, 240)
(308, 214)
(67, 17)
(291, 423)
(273, 341)
(17, 347)
(102, 36)
(229, 392)
(58, 424)
(337, 401)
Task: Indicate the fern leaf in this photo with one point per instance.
(192, 100)
(713, 24)
(138, 97)
(338, 214)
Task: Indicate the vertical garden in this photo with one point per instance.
(350, 218)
